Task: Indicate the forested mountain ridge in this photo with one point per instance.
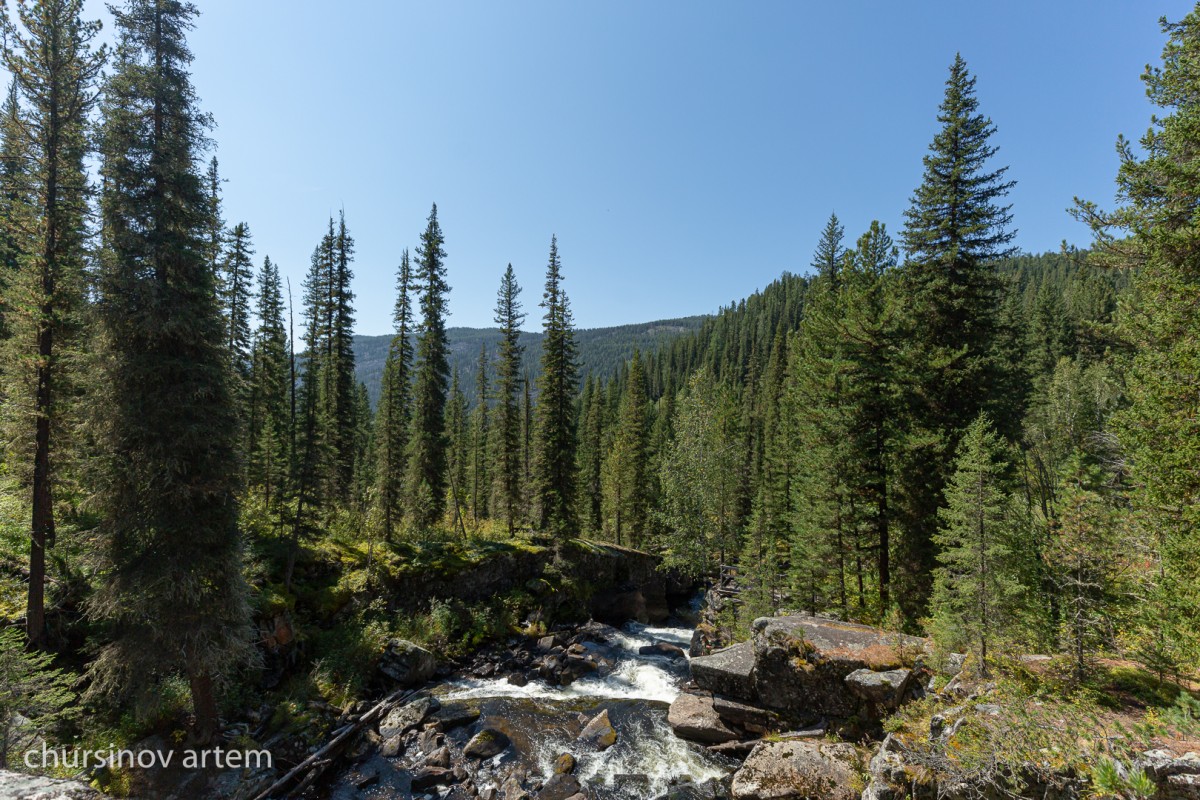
(602, 351)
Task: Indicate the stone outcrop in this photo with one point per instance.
(798, 769)
(806, 668)
(407, 664)
(693, 717)
(18, 786)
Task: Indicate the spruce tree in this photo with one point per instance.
(269, 421)
(393, 416)
(171, 588)
(591, 457)
(54, 69)
(215, 224)
(554, 461)
(507, 460)
(426, 483)
(827, 259)
(977, 591)
(956, 228)
(237, 268)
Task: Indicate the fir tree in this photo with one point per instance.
(827, 259)
(54, 70)
(427, 443)
(15, 200)
(507, 467)
(172, 590)
(956, 228)
(269, 425)
(393, 417)
(238, 269)
(554, 462)
(591, 457)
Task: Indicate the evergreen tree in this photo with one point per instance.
(554, 461)
(238, 270)
(827, 260)
(591, 457)
(479, 438)
(977, 593)
(628, 463)
(427, 442)
(955, 231)
(269, 421)
(339, 386)
(457, 457)
(1088, 559)
(393, 417)
(54, 70)
(215, 225)
(172, 590)
(1157, 233)
(507, 466)
(14, 200)
(868, 333)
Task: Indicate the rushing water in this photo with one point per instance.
(543, 721)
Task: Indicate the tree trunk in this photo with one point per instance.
(204, 706)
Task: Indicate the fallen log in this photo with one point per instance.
(319, 761)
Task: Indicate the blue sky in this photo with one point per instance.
(685, 153)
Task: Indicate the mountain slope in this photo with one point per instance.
(601, 350)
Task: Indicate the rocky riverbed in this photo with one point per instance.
(580, 712)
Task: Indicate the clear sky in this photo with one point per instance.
(685, 153)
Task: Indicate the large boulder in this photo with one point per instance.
(729, 672)
(599, 733)
(693, 717)
(17, 786)
(406, 663)
(801, 663)
(885, 689)
(798, 769)
(485, 744)
(407, 717)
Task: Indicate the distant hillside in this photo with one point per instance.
(601, 350)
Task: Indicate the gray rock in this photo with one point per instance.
(693, 717)
(438, 758)
(408, 716)
(17, 786)
(729, 671)
(599, 733)
(485, 744)
(406, 663)
(787, 770)
(455, 716)
(560, 786)
(428, 777)
(887, 689)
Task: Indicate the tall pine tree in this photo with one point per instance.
(54, 71)
(426, 484)
(172, 589)
(956, 228)
(554, 461)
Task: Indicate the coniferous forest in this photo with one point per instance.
(215, 534)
